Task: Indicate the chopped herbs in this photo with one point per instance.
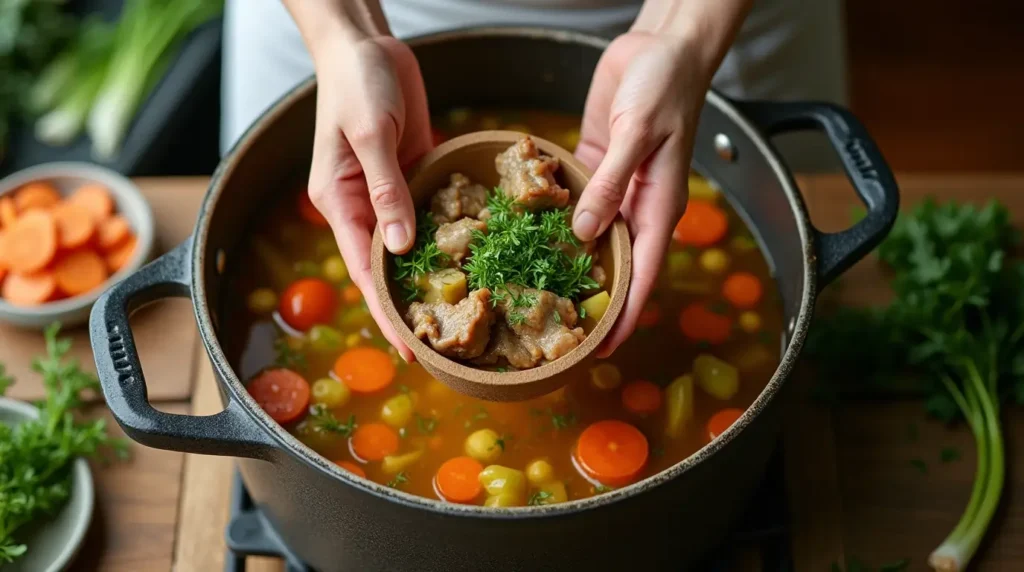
(560, 421)
(602, 489)
(424, 257)
(501, 369)
(287, 356)
(582, 312)
(426, 425)
(539, 498)
(500, 442)
(480, 415)
(399, 480)
(324, 420)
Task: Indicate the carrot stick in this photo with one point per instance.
(743, 290)
(351, 467)
(365, 369)
(79, 272)
(94, 198)
(113, 232)
(75, 225)
(612, 452)
(119, 257)
(700, 324)
(722, 420)
(374, 441)
(458, 480)
(37, 195)
(8, 212)
(703, 224)
(31, 242)
(282, 393)
(641, 397)
(28, 290)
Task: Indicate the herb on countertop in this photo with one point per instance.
(955, 328)
(36, 455)
(324, 420)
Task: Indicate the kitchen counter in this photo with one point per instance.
(853, 490)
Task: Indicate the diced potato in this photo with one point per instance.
(714, 260)
(497, 479)
(701, 188)
(448, 285)
(679, 263)
(596, 305)
(262, 301)
(397, 411)
(334, 269)
(353, 340)
(484, 445)
(539, 471)
(325, 338)
(504, 500)
(750, 322)
(717, 378)
(679, 404)
(394, 464)
(605, 376)
(555, 492)
(330, 392)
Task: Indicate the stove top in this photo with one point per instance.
(764, 528)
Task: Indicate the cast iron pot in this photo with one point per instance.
(336, 521)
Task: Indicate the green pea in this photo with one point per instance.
(325, 339)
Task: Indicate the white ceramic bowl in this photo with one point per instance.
(53, 543)
(130, 204)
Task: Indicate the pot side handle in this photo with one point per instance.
(229, 432)
(866, 168)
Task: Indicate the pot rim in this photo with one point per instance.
(290, 445)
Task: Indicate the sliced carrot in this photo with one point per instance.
(94, 198)
(37, 195)
(31, 242)
(119, 257)
(112, 233)
(365, 369)
(612, 452)
(29, 289)
(351, 295)
(374, 441)
(309, 212)
(75, 225)
(351, 467)
(701, 324)
(722, 420)
(743, 290)
(282, 393)
(79, 272)
(650, 315)
(641, 397)
(703, 224)
(8, 212)
(458, 480)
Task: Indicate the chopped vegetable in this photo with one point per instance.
(679, 263)
(79, 272)
(8, 212)
(423, 258)
(397, 411)
(282, 393)
(701, 189)
(550, 492)
(36, 195)
(330, 393)
(308, 302)
(539, 471)
(352, 468)
(503, 500)
(679, 404)
(365, 369)
(498, 480)
(287, 354)
(641, 397)
(396, 464)
(27, 290)
(446, 285)
(700, 324)
(112, 233)
(722, 420)
(119, 257)
(743, 290)
(334, 269)
(458, 479)
(716, 377)
(321, 419)
(94, 198)
(612, 452)
(31, 242)
(594, 307)
(374, 441)
(714, 260)
(702, 224)
(750, 322)
(605, 376)
(483, 446)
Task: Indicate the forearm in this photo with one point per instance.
(326, 23)
(707, 27)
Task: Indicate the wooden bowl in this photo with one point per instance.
(473, 155)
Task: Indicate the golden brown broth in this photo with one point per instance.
(659, 354)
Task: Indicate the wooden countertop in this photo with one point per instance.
(853, 491)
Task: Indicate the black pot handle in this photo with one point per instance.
(229, 432)
(864, 165)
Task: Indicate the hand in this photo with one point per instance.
(371, 122)
(637, 136)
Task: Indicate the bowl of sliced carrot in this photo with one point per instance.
(67, 232)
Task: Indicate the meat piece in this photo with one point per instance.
(599, 275)
(453, 238)
(461, 198)
(505, 344)
(457, 331)
(529, 177)
(546, 324)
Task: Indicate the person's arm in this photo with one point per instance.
(638, 127)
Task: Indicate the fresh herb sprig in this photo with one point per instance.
(424, 257)
(286, 356)
(324, 420)
(957, 322)
(36, 456)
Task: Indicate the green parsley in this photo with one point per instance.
(286, 356)
(324, 420)
(426, 425)
(563, 421)
(582, 312)
(602, 489)
(480, 415)
(539, 498)
(399, 480)
(424, 257)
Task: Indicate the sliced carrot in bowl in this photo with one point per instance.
(8, 212)
(118, 258)
(96, 199)
(31, 242)
(37, 195)
(28, 290)
(79, 272)
(113, 232)
(75, 225)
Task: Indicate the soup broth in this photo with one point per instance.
(312, 356)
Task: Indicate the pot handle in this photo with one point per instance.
(229, 432)
(864, 165)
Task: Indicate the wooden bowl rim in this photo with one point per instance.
(491, 384)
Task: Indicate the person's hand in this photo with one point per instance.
(638, 128)
(371, 122)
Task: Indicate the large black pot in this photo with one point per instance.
(336, 521)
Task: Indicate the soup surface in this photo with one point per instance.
(311, 355)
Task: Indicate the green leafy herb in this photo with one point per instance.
(920, 465)
(424, 257)
(324, 420)
(288, 357)
(582, 312)
(501, 441)
(501, 369)
(539, 498)
(948, 455)
(426, 425)
(602, 489)
(36, 456)
(560, 421)
(480, 415)
(399, 480)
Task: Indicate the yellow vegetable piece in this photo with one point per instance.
(504, 500)
(753, 357)
(262, 301)
(679, 263)
(334, 269)
(701, 188)
(497, 479)
(484, 445)
(448, 285)
(353, 340)
(596, 305)
(325, 338)
(539, 471)
(717, 378)
(397, 411)
(679, 405)
(394, 464)
(571, 139)
(354, 318)
(714, 260)
(330, 392)
(552, 492)
(742, 244)
(750, 322)
(315, 437)
(459, 115)
(605, 376)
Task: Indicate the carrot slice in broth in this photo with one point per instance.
(374, 441)
(458, 480)
(612, 452)
(365, 369)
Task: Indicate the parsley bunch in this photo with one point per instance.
(36, 456)
(957, 322)
(424, 257)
